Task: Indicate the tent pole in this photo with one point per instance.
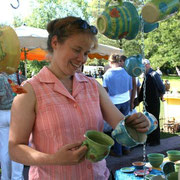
(25, 62)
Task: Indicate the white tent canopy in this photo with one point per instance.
(32, 38)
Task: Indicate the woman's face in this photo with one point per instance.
(70, 55)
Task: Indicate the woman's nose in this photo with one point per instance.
(82, 57)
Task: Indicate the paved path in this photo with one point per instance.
(136, 154)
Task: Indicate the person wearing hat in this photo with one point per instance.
(154, 91)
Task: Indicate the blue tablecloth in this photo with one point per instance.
(130, 176)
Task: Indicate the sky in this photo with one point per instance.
(7, 12)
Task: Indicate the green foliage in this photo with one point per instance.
(35, 67)
(161, 45)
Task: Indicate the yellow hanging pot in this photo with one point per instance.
(9, 50)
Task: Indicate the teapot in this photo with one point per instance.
(133, 66)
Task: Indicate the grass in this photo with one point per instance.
(164, 135)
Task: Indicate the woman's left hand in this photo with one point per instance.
(138, 121)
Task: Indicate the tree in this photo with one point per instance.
(163, 45)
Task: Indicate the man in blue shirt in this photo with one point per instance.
(154, 92)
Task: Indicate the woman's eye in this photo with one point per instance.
(86, 53)
(77, 50)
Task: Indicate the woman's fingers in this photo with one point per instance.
(138, 121)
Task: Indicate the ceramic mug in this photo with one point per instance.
(119, 21)
(157, 10)
(153, 121)
(130, 137)
(134, 66)
(177, 166)
(167, 167)
(172, 176)
(148, 27)
(99, 145)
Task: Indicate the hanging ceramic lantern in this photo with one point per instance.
(9, 50)
(119, 21)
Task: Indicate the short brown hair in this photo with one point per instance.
(114, 58)
(123, 58)
(63, 28)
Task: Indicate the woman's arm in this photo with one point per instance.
(22, 122)
(110, 113)
(113, 116)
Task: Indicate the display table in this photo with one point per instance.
(119, 175)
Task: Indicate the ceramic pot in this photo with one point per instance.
(157, 10)
(99, 145)
(119, 21)
(133, 66)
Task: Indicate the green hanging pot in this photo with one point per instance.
(9, 50)
(119, 21)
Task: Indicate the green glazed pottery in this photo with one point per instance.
(173, 155)
(130, 137)
(155, 159)
(119, 21)
(133, 66)
(172, 176)
(167, 167)
(157, 10)
(177, 166)
(99, 145)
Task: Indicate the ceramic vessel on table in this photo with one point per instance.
(177, 166)
(172, 176)
(167, 167)
(155, 159)
(138, 164)
(173, 155)
(99, 145)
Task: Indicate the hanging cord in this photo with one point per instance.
(16, 6)
(120, 44)
(144, 84)
(143, 57)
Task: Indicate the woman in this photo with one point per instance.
(60, 106)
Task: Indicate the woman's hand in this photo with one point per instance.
(138, 121)
(70, 154)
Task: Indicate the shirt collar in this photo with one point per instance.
(46, 76)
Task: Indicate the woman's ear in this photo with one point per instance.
(54, 42)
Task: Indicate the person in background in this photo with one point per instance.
(134, 83)
(10, 170)
(154, 92)
(60, 106)
(118, 84)
(159, 71)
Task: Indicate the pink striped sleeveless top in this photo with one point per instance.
(63, 118)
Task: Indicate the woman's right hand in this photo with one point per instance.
(70, 154)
